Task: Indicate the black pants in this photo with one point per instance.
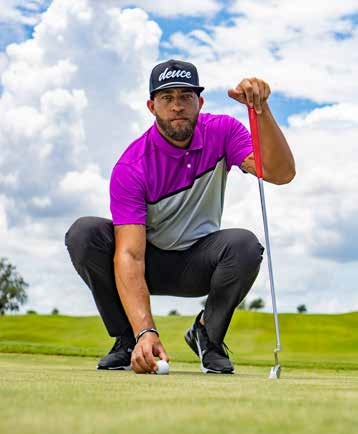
(224, 265)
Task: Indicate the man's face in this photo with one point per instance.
(176, 111)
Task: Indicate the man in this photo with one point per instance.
(167, 194)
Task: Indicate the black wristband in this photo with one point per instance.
(148, 330)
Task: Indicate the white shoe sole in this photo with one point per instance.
(119, 368)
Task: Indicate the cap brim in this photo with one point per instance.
(177, 84)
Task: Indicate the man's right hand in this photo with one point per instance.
(148, 347)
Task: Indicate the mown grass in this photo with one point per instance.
(61, 394)
(55, 394)
(322, 341)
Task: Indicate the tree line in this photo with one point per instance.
(13, 289)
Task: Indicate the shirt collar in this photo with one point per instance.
(174, 151)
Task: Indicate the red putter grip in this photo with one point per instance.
(254, 127)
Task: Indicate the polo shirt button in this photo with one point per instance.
(188, 166)
(186, 153)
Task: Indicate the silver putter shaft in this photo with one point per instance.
(275, 370)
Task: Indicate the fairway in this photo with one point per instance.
(62, 394)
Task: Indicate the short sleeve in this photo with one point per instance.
(238, 143)
(127, 196)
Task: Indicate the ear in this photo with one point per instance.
(150, 105)
(201, 102)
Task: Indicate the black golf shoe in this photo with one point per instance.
(119, 356)
(213, 357)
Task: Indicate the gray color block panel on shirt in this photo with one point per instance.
(178, 221)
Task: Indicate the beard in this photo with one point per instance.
(180, 132)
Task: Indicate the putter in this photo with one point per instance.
(254, 127)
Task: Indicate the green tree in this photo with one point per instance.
(12, 287)
(301, 308)
(55, 311)
(257, 304)
(173, 312)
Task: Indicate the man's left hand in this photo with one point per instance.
(253, 92)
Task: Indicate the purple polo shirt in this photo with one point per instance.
(178, 194)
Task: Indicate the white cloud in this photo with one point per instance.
(21, 12)
(312, 221)
(3, 64)
(305, 13)
(41, 201)
(335, 116)
(3, 217)
(295, 48)
(173, 9)
(88, 189)
(8, 180)
(73, 100)
(16, 16)
(68, 109)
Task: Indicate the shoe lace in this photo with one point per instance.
(221, 348)
(226, 349)
(117, 345)
(122, 342)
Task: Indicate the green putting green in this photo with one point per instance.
(62, 394)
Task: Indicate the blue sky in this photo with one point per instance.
(11, 31)
(72, 97)
(281, 105)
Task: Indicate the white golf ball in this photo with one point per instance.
(163, 367)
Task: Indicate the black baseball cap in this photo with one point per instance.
(174, 73)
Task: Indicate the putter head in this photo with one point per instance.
(275, 372)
